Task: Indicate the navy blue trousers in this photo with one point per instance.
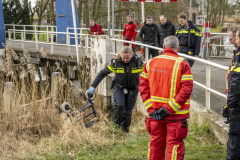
(233, 145)
(127, 100)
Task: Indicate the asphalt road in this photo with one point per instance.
(218, 83)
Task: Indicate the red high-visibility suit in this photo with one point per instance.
(130, 32)
(167, 81)
(96, 28)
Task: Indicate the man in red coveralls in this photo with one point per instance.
(165, 86)
(95, 28)
(130, 31)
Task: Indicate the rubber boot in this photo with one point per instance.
(127, 121)
(118, 114)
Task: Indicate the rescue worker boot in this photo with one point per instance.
(126, 121)
(118, 114)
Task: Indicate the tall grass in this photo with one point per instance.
(34, 129)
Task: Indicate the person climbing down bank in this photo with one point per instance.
(126, 68)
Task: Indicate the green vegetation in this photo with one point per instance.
(213, 30)
(200, 144)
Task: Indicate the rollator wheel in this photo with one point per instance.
(92, 98)
(66, 107)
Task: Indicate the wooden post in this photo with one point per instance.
(56, 77)
(7, 96)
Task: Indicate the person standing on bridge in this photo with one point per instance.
(166, 28)
(130, 32)
(148, 30)
(233, 103)
(126, 68)
(189, 38)
(232, 39)
(95, 28)
(165, 86)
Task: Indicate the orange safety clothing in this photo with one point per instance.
(167, 81)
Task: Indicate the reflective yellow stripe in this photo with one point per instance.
(118, 70)
(182, 31)
(159, 99)
(188, 101)
(110, 68)
(144, 75)
(198, 34)
(192, 31)
(187, 77)
(182, 111)
(170, 57)
(235, 70)
(147, 67)
(174, 79)
(174, 105)
(174, 152)
(137, 70)
(149, 150)
(147, 103)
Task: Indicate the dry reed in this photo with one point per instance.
(31, 128)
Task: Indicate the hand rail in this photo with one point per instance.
(208, 63)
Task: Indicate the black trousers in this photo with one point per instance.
(185, 51)
(233, 145)
(127, 100)
(151, 52)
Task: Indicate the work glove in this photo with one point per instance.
(91, 91)
(159, 114)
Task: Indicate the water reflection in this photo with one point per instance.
(221, 51)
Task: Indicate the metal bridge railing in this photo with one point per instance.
(209, 64)
(86, 38)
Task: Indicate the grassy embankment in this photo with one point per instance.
(212, 30)
(200, 144)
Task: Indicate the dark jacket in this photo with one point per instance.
(149, 32)
(163, 31)
(233, 99)
(127, 75)
(189, 39)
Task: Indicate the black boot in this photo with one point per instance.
(118, 114)
(127, 121)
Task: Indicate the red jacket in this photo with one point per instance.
(167, 81)
(97, 28)
(130, 30)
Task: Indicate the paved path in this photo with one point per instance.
(218, 82)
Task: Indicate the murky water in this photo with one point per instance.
(221, 51)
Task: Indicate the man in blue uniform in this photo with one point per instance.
(233, 103)
(189, 38)
(127, 68)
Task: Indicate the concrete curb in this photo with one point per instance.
(200, 115)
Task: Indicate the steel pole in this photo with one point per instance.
(143, 12)
(113, 18)
(190, 11)
(75, 29)
(109, 17)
